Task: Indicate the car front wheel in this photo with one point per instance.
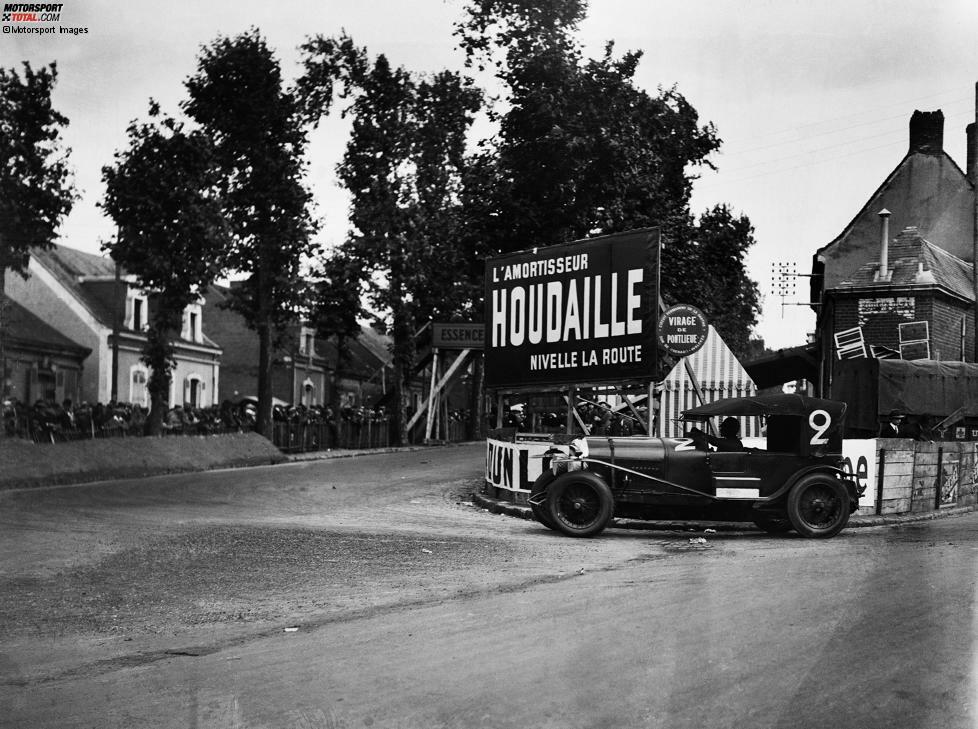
(541, 512)
(580, 504)
(818, 506)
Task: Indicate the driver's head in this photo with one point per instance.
(729, 428)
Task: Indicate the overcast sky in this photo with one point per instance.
(812, 98)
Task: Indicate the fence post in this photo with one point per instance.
(879, 482)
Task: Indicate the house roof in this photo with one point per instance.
(915, 262)
(25, 330)
(926, 189)
(89, 278)
(70, 266)
(364, 355)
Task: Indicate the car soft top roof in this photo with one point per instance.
(779, 404)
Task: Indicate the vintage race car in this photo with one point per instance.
(796, 482)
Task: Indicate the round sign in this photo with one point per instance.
(682, 330)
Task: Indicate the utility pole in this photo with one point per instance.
(973, 173)
(116, 328)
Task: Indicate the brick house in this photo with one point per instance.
(866, 283)
(306, 369)
(923, 283)
(80, 296)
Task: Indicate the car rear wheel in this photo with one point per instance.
(580, 504)
(540, 513)
(818, 506)
(773, 524)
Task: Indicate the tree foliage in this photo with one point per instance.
(239, 98)
(708, 271)
(164, 193)
(403, 168)
(581, 150)
(36, 189)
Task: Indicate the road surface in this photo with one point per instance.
(371, 592)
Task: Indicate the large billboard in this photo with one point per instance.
(574, 313)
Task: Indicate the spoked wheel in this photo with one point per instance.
(540, 512)
(818, 506)
(580, 504)
(772, 524)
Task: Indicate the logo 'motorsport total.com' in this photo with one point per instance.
(41, 19)
(31, 12)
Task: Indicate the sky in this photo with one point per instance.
(811, 98)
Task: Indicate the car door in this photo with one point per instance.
(733, 475)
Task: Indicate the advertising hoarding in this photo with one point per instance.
(581, 312)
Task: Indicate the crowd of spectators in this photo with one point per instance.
(47, 421)
(598, 419)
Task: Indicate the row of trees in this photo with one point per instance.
(578, 149)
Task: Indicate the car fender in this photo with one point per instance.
(782, 492)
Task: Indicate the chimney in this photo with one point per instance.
(884, 274)
(927, 132)
(971, 132)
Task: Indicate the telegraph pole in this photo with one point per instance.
(973, 173)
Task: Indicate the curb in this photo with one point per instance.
(354, 452)
(497, 506)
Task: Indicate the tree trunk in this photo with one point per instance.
(3, 334)
(264, 421)
(157, 405)
(399, 411)
(157, 353)
(3, 352)
(475, 428)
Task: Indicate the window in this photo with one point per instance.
(138, 394)
(192, 324)
(137, 312)
(307, 342)
(193, 392)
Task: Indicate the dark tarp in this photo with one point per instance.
(877, 387)
(785, 365)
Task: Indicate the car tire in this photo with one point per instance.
(773, 524)
(580, 504)
(540, 513)
(818, 506)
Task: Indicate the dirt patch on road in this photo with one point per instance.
(239, 575)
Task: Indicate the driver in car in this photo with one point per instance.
(729, 439)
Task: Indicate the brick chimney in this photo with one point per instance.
(927, 132)
(971, 132)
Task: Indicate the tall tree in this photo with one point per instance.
(36, 189)
(581, 150)
(164, 193)
(708, 271)
(238, 97)
(403, 167)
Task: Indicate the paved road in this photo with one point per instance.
(269, 598)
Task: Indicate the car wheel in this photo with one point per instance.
(818, 506)
(580, 504)
(772, 524)
(540, 512)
